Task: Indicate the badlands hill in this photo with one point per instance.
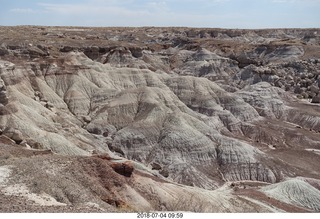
(142, 119)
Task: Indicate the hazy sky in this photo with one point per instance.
(192, 13)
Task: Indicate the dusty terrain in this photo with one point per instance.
(142, 119)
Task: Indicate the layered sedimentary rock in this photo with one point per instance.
(185, 107)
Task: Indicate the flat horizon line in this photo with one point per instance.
(180, 27)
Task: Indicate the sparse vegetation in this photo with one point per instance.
(168, 119)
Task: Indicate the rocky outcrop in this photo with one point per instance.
(124, 169)
(201, 108)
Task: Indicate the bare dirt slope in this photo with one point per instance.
(132, 119)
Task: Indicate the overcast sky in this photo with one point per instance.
(191, 13)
